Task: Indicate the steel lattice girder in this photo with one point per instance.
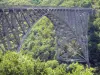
(71, 26)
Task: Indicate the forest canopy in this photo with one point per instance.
(40, 60)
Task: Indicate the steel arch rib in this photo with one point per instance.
(28, 31)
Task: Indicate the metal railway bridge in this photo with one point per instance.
(70, 24)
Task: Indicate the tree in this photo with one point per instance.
(13, 63)
(78, 69)
(41, 42)
(15, 2)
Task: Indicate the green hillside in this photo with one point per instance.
(37, 55)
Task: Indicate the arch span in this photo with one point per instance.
(71, 26)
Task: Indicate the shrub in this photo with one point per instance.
(51, 67)
(78, 69)
(13, 63)
(16, 64)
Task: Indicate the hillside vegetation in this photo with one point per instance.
(37, 55)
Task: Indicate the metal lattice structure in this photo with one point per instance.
(71, 26)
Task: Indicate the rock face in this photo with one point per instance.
(71, 27)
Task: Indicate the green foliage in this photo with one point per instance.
(1, 54)
(69, 3)
(19, 2)
(97, 23)
(15, 2)
(96, 4)
(50, 68)
(50, 2)
(94, 40)
(41, 40)
(13, 63)
(83, 3)
(45, 51)
(36, 1)
(80, 70)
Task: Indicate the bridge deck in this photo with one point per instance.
(45, 7)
